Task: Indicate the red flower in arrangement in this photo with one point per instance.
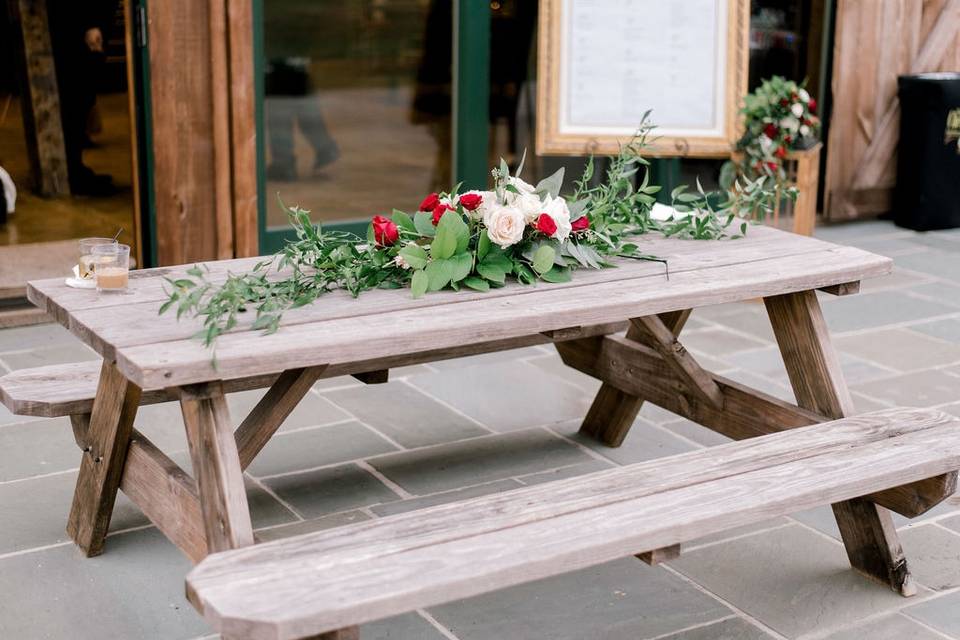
(546, 225)
(385, 231)
(781, 152)
(788, 139)
(430, 202)
(812, 105)
(438, 212)
(771, 130)
(773, 166)
(471, 201)
(784, 102)
(580, 224)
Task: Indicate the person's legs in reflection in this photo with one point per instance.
(280, 114)
(314, 128)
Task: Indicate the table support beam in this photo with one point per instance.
(216, 467)
(105, 441)
(813, 365)
(613, 410)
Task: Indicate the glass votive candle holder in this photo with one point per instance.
(85, 263)
(111, 267)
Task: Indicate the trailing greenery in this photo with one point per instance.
(468, 240)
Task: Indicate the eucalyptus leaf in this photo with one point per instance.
(423, 222)
(543, 259)
(414, 255)
(551, 185)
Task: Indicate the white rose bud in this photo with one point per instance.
(557, 209)
(521, 185)
(790, 124)
(804, 95)
(504, 225)
(797, 109)
(804, 130)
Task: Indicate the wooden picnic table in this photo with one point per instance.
(152, 358)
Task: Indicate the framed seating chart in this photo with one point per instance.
(603, 63)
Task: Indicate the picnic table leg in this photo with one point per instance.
(613, 411)
(867, 529)
(216, 467)
(105, 439)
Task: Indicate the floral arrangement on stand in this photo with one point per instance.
(780, 116)
(476, 239)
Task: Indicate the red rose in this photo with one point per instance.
(438, 212)
(771, 131)
(430, 202)
(546, 225)
(385, 231)
(784, 102)
(471, 201)
(580, 224)
(812, 105)
(781, 152)
(773, 166)
(788, 139)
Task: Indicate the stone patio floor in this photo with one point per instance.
(491, 423)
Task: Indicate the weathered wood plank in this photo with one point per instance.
(613, 411)
(101, 466)
(912, 500)
(265, 418)
(814, 368)
(165, 494)
(216, 467)
(540, 309)
(68, 389)
(327, 580)
(664, 341)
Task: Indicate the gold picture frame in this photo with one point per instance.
(559, 133)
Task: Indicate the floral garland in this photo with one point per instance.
(779, 116)
(476, 240)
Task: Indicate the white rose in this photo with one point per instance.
(797, 109)
(804, 95)
(804, 130)
(504, 225)
(557, 209)
(765, 143)
(528, 204)
(521, 185)
(790, 124)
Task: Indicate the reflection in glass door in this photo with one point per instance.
(356, 105)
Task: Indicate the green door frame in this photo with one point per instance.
(471, 89)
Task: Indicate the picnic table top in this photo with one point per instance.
(156, 351)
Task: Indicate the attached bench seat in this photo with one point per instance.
(323, 584)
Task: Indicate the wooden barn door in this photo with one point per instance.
(875, 43)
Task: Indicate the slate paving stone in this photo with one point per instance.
(43, 356)
(792, 579)
(766, 384)
(309, 526)
(896, 627)
(311, 448)
(496, 357)
(934, 556)
(313, 411)
(644, 442)
(481, 460)
(899, 278)
(445, 497)
(516, 395)
(718, 342)
(769, 364)
(37, 336)
(37, 447)
(863, 404)
(941, 613)
(890, 247)
(33, 513)
(405, 415)
(899, 349)
(695, 432)
(563, 473)
(730, 629)
(621, 600)
(917, 389)
(942, 264)
(58, 593)
(325, 491)
(553, 365)
(751, 319)
(162, 424)
(939, 291)
(856, 232)
(870, 310)
(947, 329)
(406, 627)
(737, 532)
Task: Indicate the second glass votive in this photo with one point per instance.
(85, 264)
(111, 267)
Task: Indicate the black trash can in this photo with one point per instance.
(927, 196)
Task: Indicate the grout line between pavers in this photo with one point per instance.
(436, 624)
(39, 477)
(693, 627)
(747, 534)
(446, 404)
(270, 492)
(924, 625)
(390, 484)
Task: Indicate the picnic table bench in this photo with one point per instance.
(149, 358)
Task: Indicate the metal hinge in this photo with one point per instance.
(140, 25)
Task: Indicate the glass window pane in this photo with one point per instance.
(357, 105)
